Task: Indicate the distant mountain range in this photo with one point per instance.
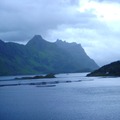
(112, 69)
(40, 56)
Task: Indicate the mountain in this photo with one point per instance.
(112, 69)
(78, 55)
(40, 56)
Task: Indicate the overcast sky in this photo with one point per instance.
(93, 23)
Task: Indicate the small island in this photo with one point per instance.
(112, 69)
(38, 77)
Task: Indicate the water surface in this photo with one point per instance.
(91, 99)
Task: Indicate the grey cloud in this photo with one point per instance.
(38, 16)
(111, 1)
(21, 19)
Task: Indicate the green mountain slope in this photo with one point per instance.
(40, 56)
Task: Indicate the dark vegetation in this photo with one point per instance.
(38, 77)
(112, 69)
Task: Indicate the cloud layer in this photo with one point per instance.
(93, 23)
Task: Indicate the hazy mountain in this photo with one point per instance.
(41, 56)
(78, 55)
(112, 69)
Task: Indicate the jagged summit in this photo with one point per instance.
(40, 56)
(72, 47)
(61, 42)
(38, 37)
(37, 42)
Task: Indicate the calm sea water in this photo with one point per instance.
(91, 99)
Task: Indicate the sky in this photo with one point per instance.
(95, 24)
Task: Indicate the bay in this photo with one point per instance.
(84, 98)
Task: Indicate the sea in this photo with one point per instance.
(71, 96)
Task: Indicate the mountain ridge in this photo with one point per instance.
(40, 56)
